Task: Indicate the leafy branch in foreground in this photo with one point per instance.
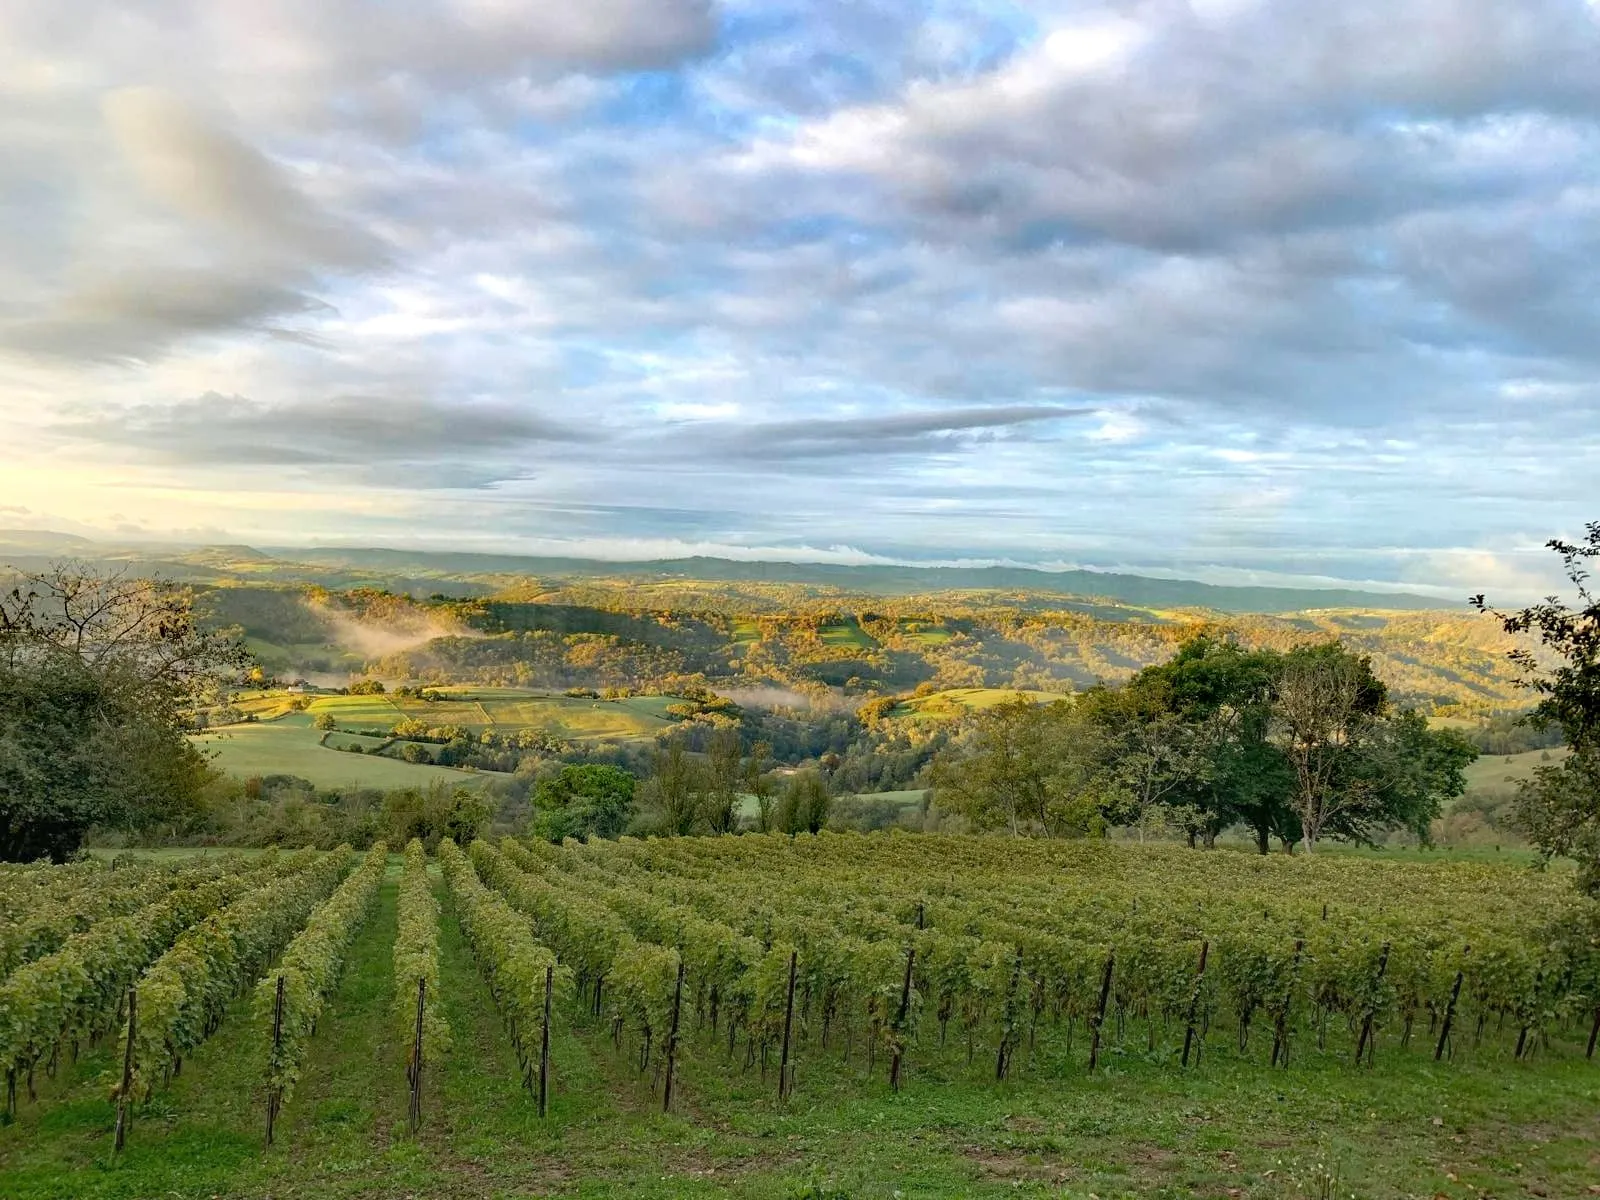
(1560, 807)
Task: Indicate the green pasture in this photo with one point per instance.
(953, 701)
(477, 709)
(358, 711)
(1497, 771)
(846, 633)
(282, 748)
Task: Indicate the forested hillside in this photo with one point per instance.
(603, 634)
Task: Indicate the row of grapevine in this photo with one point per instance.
(522, 973)
(76, 993)
(635, 981)
(419, 1020)
(24, 884)
(185, 992)
(290, 1000)
(57, 914)
(969, 907)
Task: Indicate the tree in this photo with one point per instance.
(759, 783)
(805, 804)
(1150, 752)
(1328, 702)
(670, 797)
(1026, 768)
(99, 677)
(457, 813)
(583, 802)
(1559, 808)
(1411, 770)
(1358, 767)
(325, 721)
(1224, 694)
(723, 775)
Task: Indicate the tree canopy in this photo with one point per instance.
(98, 676)
(1298, 745)
(583, 802)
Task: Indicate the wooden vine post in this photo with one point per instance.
(785, 1079)
(1280, 1032)
(1002, 1061)
(1449, 1017)
(275, 1095)
(896, 1063)
(672, 1038)
(414, 1111)
(1099, 1018)
(1365, 1044)
(1194, 1003)
(544, 1040)
(124, 1098)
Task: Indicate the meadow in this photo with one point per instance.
(283, 738)
(1503, 1111)
(290, 747)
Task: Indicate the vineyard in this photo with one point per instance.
(688, 987)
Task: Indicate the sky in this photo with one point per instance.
(1239, 290)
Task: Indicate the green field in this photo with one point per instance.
(483, 708)
(846, 633)
(924, 632)
(284, 741)
(1499, 771)
(290, 747)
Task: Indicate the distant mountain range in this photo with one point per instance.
(415, 569)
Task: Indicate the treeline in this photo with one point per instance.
(1297, 745)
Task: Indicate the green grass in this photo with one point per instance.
(846, 633)
(924, 633)
(286, 742)
(1232, 1127)
(359, 711)
(569, 717)
(1496, 771)
(282, 748)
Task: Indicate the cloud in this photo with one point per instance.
(362, 437)
(813, 273)
(896, 433)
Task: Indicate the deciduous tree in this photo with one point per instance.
(99, 677)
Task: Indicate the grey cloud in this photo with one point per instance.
(877, 436)
(1288, 116)
(142, 311)
(206, 175)
(182, 229)
(445, 444)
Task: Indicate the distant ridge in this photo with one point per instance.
(888, 580)
(214, 561)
